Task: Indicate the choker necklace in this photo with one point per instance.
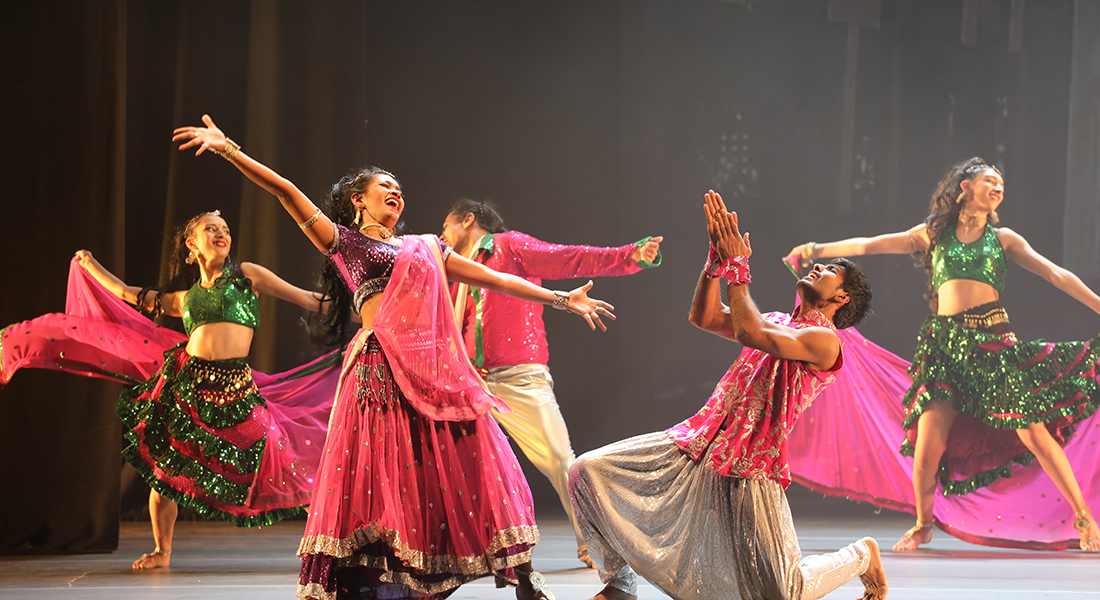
(383, 231)
(971, 215)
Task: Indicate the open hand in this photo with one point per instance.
(722, 228)
(206, 138)
(589, 308)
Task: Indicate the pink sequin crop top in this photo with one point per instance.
(365, 263)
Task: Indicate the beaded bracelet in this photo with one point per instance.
(561, 300)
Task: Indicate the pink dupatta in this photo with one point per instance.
(847, 445)
(416, 327)
(99, 335)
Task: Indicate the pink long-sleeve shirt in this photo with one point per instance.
(501, 330)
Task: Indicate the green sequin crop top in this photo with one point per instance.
(981, 260)
(226, 302)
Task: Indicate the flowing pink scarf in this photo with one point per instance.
(416, 327)
(847, 441)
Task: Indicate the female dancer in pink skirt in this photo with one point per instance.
(202, 428)
(419, 491)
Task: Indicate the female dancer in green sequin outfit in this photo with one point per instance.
(200, 258)
(969, 367)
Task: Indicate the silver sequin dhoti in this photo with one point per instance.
(536, 424)
(644, 507)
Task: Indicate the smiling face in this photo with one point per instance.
(984, 192)
(380, 202)
(210, 239)
(822, 285)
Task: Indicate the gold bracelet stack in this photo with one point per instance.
(310, 221)
(231, 150)
(807, 251)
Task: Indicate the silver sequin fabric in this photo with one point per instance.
(646, 508)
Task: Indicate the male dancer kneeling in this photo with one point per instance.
(699, 509)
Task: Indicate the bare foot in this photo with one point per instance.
(874, 580)
(1090, 533)
(611, 593)
(913, 538)
(153, 560)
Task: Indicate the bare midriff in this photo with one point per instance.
(219, 341)
(958, 295)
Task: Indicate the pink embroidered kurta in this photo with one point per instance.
(744, 427)
(501, 330)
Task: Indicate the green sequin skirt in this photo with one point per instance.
(998, 384)
(196, 433)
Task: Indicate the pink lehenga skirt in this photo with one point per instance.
(406, 506)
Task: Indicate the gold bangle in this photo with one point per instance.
(310, 221)
(231, 150)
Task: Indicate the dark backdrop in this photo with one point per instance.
(587, 121)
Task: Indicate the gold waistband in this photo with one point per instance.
(984, 320)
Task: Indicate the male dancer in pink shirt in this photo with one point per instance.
(699, 510)
(505, 336)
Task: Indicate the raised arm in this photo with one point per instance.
(1018, 249)
(467, 271)
(264, 281)
(816, 346)
(912, 240)
(297, 204)
(169, 303)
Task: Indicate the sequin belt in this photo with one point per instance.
(232, 375)
(986, 318)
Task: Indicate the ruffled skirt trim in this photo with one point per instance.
(197, 433)
(999, 385)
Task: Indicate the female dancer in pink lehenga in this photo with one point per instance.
(977, 406)
(203, 429)
(419, 491)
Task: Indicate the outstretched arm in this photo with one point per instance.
(265, 281)
(559, 261)
(816, 346)
(297, 204)
(467, 271)
(170, 303)
(1018, 249)
(912, 240)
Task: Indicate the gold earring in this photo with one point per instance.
(960, 198)
(190, 258)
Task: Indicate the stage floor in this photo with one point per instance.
(215, 561)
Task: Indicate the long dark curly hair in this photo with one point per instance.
(335, 327)
(943, 212)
